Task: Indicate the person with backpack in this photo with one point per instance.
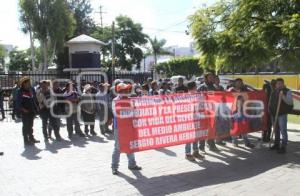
(281, 101)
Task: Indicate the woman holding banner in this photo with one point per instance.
(240, 121)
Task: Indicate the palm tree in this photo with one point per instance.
(157, 48)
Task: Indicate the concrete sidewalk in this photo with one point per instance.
(82, 167)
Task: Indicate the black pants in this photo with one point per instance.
(47, 119)
(27, 129)
(2, 107)
(73, 120)
(89, 120)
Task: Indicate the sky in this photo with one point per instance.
(165, 19)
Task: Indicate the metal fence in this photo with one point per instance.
(8, 80)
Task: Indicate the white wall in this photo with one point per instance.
(84, 47)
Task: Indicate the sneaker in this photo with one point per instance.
(115, 172)
(189, 157)
(281, 150)
(135, 168)
(250, 145)
(274, 147)
(197, 155)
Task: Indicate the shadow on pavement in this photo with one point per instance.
(238, 164)
(30, 153)
(79, 141)
(54, 146)
(167, 152)
(97, 139)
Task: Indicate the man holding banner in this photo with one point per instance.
(208, 85)
(123, 91)
(281, 103)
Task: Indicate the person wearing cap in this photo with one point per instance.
(88, 110)
(27, 107)
(208, 85)
(123, 91)
(72, 97)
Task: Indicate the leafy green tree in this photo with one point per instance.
(129, 38)
(51, 22)
(19, 60)
(246, 34)
(82, 13)
(2, 55)
(188, 66)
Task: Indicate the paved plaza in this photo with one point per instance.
(82, 167)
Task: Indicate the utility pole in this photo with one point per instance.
(113, 51)
(101, 18)
(101, 15)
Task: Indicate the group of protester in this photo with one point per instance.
(50, 101)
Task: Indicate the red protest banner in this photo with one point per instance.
(146, 123)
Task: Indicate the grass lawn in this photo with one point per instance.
(294, 119)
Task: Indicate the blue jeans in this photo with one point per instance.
(116, 154)
(282, 125)
(188, 147)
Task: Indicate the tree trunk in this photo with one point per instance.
(45, 55)
(53, 54)
(32, 50)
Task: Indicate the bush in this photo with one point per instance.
(187, 66)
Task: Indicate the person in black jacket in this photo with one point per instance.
(286, 105)
(28, 108)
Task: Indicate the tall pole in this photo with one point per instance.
(101, 18)
(113, 51)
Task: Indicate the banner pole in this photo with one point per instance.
(276, 118)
